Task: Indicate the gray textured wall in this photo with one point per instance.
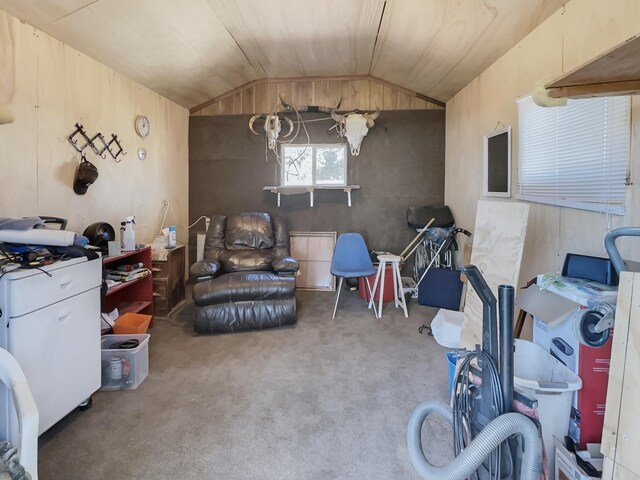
(401, 163)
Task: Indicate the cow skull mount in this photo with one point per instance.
(354, 126)
(272, 128)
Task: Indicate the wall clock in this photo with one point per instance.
(142, 125)
(142, 153)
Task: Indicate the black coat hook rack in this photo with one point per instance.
(98, 151)
(79, 131)
(117, 151)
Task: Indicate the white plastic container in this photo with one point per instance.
(171, 239)
(129, 236)
(124, 369)
(541, 376)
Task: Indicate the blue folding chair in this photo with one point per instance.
(351, 259)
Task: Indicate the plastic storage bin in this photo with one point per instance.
(128, 323)
(452, 363)
(124, 368)
(541, 376)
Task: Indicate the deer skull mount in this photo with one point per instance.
(354, 126)
(272, 127)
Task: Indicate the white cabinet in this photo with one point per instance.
(50, 322)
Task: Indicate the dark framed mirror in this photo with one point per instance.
(497, 163)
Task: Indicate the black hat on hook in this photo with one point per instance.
(86, 174)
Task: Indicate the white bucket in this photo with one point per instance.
(542, 377)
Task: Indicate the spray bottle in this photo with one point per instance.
(129, 235)
(123, 225)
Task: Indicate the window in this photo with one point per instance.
(577, 155)
(314, 165)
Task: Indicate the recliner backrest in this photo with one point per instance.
(246, 241)
(249, 231)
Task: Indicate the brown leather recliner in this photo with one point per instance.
(246, 279)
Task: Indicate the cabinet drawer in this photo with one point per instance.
(160, 269)
(30, 293)
(160, 289)
(160, 301)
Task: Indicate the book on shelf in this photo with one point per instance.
(120, 276)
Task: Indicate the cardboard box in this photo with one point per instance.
(553, 330)
(566, 466)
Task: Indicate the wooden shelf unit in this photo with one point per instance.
(169, 281)
(135, 296)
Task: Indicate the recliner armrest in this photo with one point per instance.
(285, 265)
(203, 270)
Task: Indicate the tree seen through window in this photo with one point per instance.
(314, 165)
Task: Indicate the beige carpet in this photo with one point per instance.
(328, 399)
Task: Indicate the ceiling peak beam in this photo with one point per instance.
(431, 100)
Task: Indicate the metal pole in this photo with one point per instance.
(404, 254)
(506, 294)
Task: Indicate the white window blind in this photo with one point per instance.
(577, 155)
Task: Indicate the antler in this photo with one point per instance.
(290, 126)
(286, 106)
(371, 117)
(253, 119)
(336, 116)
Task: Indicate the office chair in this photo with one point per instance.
(351, 259)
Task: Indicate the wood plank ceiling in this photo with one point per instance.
(196, 50)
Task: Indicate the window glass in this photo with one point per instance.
(330, 163)
(314, 165)
(297, 165)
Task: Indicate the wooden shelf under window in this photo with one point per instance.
(302, 189)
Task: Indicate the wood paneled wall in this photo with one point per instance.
(364, 93)
(49, 87)
(567, 39)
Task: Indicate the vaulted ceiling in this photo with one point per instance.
(193, 50)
